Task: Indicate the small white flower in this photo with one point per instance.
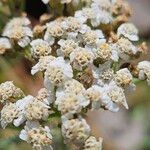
(93, 38)
(129, 31)
(58, 71)
(16, 22)
(62, 1)
(144, 70)
(54, 30)
(124, 48)
(93, 144)
(103, 74)
(32, 108)
(8, 114)
(66, 47)
(71, 87)
(94, 95)
(42, 64)
(70, 104)
(71, 24)
(21, 104)
(84, 14)
(39, 137)
(101, 4)
(65, 1)
(123, 77)
(81, 58)
(75, 131)
(101, 17)
(4, 45)
(45, 1)
(9, 92)
(40, 48)
(112, 95)
(19, 34)
(44, 96)
(36, 110)
(105, 52)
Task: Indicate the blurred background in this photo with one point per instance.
(126, 130)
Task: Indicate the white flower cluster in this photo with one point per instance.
(85, 64)
(62, 1)
(18, 31)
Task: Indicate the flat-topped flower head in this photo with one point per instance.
(21, 104)
(112, 96)
(84, 14)
(4, 45)
(103, 74)
(16, 22)
(42, 64)
(62, 1)
(36, 110)
(101, 17)
(44, 96)
(144, 70)
(9, 92)
(54, 30)
(93, 94)
(93, 144)
(75, 131)
(40, 48)
(39, 137)
(58, 71)
(73, 86)
(105, 52)
(101, 4)
(93, 37)
(19, 34)
(8, 114)
(70, 104)
(71, 24)
(129, 31)
(45, 1)
(66, 47)
(81, 58)
(125, 48)
(123, 77)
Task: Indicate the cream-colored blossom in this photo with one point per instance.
(123, 77)
(42, 64)
(40, 48)
(58, 71)
(112, 96)
(144, 70)
(19, 34)
(66, 47)
(93, 144)
(39, 137)
(81, 58)
(4, 45)
(70, 104)
(8, 114)
(129, 31)
(54, 30)
(125, 49)
(75, 131)
(9, 92)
